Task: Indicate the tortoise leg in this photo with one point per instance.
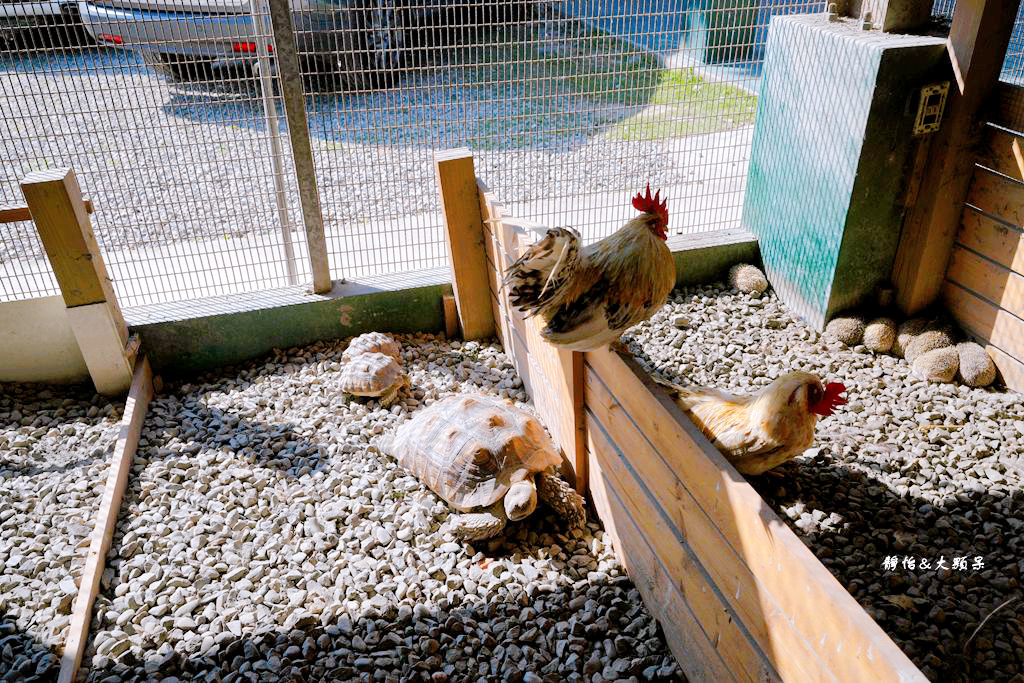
(562, 498)
(476, 526)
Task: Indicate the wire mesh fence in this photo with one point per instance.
(170, 112)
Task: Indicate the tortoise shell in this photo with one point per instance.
(468, 449)
(371, 374)
(372, 342)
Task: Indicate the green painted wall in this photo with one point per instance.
(831, 152)
(205, 341)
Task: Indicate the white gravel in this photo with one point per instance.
(907, 469)
(55, 446)
(262, 537)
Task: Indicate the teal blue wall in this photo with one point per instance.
(831, 150)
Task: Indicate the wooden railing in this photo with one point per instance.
(738, 595)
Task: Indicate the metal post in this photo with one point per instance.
(294, 99)
(259, 20)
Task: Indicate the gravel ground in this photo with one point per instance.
(263, 537)
(907, 470)
(55, 446)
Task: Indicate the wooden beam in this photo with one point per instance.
(100, 341)
(977, 44)
(55, 202)
(12, 213)
(451, 316)
(106, 518)
(464, 238)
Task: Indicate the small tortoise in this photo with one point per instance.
(483, 454)
(372, 342)
(374, 375)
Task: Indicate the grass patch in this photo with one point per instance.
(683, 103)
(584, 63)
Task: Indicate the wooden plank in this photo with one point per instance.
(55, 201)
(989, 280)
(13, 213)
(561, 403)
(985, 320)
(800, 585)
(684, 630)
(106, 518)
(451, 316)
(997, 195)
(766, 625)
(720, 624)
(1002, 150)
(1011, 369)
(100, 342)
(1002, 243)
(464, 239)
(977, 44)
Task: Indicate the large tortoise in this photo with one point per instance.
(487, 459)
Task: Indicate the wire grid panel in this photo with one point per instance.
(171, 142)
(570, 108)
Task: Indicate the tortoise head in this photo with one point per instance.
(520, 499)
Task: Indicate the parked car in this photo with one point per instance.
(18, 17)
(361, 39)
(364, 42)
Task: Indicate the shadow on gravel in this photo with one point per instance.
(596, 628)
(22, 658)
(931, 613)
(271, 445)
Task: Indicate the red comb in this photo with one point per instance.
(830, 400)
(651, 204)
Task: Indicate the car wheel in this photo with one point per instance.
(178, 67)
(373, 57)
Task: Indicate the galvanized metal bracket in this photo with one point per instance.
(930, 108)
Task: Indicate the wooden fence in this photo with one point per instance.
(984, 285)
(739, 596)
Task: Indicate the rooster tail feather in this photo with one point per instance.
(536, 279)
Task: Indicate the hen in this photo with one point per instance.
(588, 296)
(758, 432)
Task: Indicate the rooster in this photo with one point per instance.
(588, 296)
(758, 432)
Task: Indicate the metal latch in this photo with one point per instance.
(929, 108)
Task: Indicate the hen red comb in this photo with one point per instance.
(830, 400)
(651, 204)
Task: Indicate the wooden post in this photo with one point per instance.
(464, 237)
(451, 316)
(977, 44)
(117, 480)
(62, 220)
